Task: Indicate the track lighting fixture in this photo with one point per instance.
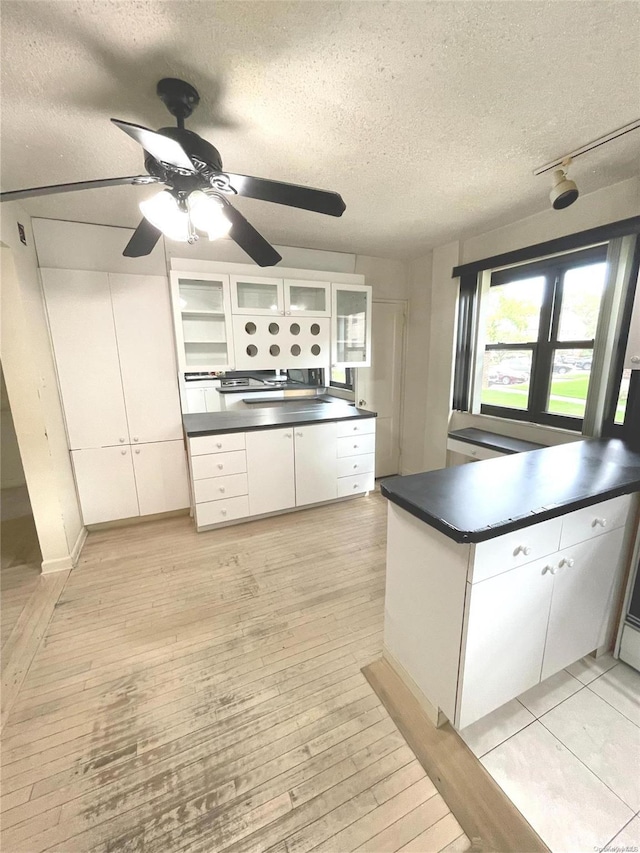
(564, 191)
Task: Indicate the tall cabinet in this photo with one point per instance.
(113, 346)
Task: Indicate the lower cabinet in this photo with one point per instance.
(316, 463)
(124, 482)
(271, 470)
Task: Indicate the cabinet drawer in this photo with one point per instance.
(215, 512)
(465, 448)
(514, 549)
(219, 464)
(357, 445)
(594, 520)
(362, 426)
(356, 485)
(220, 488)
(349, 466)
(216, 443)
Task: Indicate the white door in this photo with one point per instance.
(106, 485)
(86, 354)
(584, 591)
(316, 463)
(270, 470)
(379, 387)
(505, 625)
(144, 334)
(161, 476)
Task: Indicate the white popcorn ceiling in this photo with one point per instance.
(428, 117)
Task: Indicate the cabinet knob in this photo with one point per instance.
(135, 437)
(355, 466)
(551, 570)
(222, 489)
(635, 359)
(287, 435)
(121, 440)
(299, 434)
(137, 450)
(355, 446)
(218, 444)
(602, 522)
(362, 402)
(355, 429)
(220, 466)
(522, 549)
(355, 485)
(223, 511)
(567, 561)
(123, 452)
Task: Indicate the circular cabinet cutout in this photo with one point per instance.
(295, 350)
(274, 349)
(252, 350)
(315, 329)
(250, 328)
(315, 350)
(294, 328)
(274, 328)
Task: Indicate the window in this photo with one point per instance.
(538, 323)
(342, 377)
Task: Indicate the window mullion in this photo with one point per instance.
(541, 370)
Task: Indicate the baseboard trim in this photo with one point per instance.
(485, 813)
(432, 712)
(77, 548)
(62, 564)
(136, 519)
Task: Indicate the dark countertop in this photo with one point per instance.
(481, 500)
(493, 440)
(251, 389)
(285, 414)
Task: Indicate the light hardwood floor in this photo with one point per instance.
(19, 570)
(203, 693)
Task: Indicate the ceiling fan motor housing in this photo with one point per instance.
(204, 156)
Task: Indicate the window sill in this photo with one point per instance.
(459, 420)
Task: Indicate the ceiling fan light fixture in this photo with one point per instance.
(564, 191)
(207, 214)
(164, 211)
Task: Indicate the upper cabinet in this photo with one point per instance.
(202, 317)
(307, 298)
(257, 295)
(351, 325)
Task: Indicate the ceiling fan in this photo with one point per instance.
(195, 197)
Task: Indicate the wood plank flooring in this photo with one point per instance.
(203, 693)
(20, 560)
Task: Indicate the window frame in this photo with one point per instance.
(349, 385)
(547, 343)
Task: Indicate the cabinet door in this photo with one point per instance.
(195, 400)
(351, 325)
(270, 470)
(202, 321)
(161, 476)
(307, 298)
(584, 598)
(503, 639)
(256, 295)
(84, 345)
(106, 484)
(316, 463)
(632, 354)
(142, 313)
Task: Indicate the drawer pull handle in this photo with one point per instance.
(355, 429)
(220, 466)
(222, 489)
(551, 570)
(218, 444)
(567, 561)
(355, 466)
(599, 521)
(522, 549)
(223, 511)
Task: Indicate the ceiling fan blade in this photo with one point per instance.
(250, 240)
(15, 195)
(162, 148)
(306, 198)
(143, 240)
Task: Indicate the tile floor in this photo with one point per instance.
(567, 753)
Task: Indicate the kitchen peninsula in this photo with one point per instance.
(261, 461)
(502, 572)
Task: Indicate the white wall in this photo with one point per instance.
(33, 392)
(11, 470)
(432, 317)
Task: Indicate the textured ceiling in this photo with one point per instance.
(428, 117)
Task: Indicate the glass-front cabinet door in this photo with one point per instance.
(351, 325)
(256, 295)
(202, 319)
(307, 298)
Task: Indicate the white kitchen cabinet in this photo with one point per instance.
(632, 353)
(585, 589)
(281, 342)
(271, 472)
(144, 335)
(257, 295)
(106, 483)
(202, 321)
(316, 463)
(351, 325)
(86, 353)
(307, 298)
(160, 470)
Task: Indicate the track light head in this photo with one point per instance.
(563, 192)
